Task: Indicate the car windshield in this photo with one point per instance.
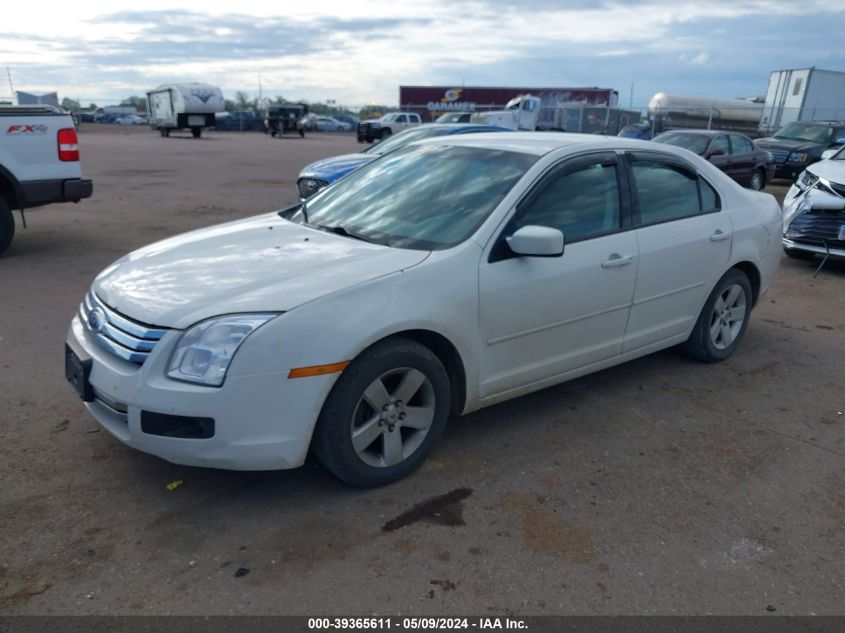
(405, 138)
(451, 117)
(805, 132)
(426, 197)
(693, 142)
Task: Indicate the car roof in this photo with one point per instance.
(700, 132)
(539, 143)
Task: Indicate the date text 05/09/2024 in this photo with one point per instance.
(415, 624)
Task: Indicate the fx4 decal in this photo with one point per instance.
(20, 130)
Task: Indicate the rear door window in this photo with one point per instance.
(668, 191)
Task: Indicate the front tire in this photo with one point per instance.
(196, 132)
(758, 180)
(723, 319)
(7, 226)
(386, 133)
(164, 132)
(384, 415)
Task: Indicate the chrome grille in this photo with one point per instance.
(121, 336)
(779, 155)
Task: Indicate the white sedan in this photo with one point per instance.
(442, 278)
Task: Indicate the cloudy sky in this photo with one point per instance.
(358, 52)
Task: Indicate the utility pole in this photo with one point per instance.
(631, 97)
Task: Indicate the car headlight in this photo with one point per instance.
(797, 157)
(806, 180)
(204, 352)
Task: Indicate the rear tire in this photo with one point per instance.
(386, 133)
(758, 180)
(164, 132)
(196, 132)
(7, 226)
(384, 414)
(723, 319)
(794, 253)
(301, 133)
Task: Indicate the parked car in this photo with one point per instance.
(468, 269)
(454, 117)
(322, 173)
(389, 124)
(733, 153)
(131, 119)
(351, 120)
(330, 124)
(801, 143)
(641, 131)
(814, 210)
(238, 121)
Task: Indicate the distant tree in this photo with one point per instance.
(71, 105)
(229, 105)
(243, 102)
(91, 106)
(139, 103)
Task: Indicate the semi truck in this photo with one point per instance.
(803, 94)
(188, 106)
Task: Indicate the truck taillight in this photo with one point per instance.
(68, 145)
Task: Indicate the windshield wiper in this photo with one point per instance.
(339, 229)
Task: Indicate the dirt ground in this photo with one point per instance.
(662, 486)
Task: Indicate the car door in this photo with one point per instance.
(719, 153)
(401, 123)
(684, 243)
(742, 159)
(542, 317)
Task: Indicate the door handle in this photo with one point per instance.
(616, 260)
(719, 235)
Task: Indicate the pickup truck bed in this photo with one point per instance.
(39, 162)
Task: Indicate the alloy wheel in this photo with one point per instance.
(392, 417)
(728, 316)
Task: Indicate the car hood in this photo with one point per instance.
(331, 169)
(771, 142)
(260, 264)
(832, 170)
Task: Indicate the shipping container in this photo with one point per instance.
(432, 101)
(803, 94)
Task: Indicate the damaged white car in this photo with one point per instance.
(814, 210)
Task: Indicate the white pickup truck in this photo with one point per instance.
(39, 163)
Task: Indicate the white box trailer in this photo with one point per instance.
(183, 107)
(803, 94)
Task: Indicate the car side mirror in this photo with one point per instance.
(823, 201)
(715, 152)
(536, 241)
(830, 153)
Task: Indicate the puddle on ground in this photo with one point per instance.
(442, 510)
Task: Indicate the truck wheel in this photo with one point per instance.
(301, 133)
(196, 132)
(164, 132)
(7, 226)
(386, 133)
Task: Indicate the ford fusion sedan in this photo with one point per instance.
(444, 277)
(735, 154)
(324, 172)
(814, 211)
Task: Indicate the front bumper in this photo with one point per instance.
(788, 170)
(812, 248)
(261, 422)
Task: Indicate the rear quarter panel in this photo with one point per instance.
(29, 147)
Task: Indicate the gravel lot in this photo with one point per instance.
(661, 486)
